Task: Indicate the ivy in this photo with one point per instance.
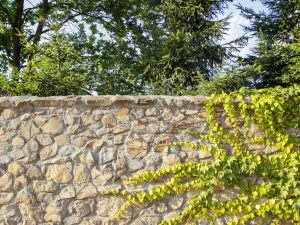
(275, 199)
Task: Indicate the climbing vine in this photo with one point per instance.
(269, 118)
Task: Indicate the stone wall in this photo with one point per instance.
(58, 153)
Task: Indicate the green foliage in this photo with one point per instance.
(129, 47)
(144, 47)
(191, 51)
(275, 58)
(275, 199)
(56, 69)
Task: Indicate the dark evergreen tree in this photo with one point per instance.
(191, 51)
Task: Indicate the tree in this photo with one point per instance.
(278, 32)
(275, 59)
(129, 47)
(190, 51)
(23, 28)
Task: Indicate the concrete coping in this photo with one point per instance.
(105, 101)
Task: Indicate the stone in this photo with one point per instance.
(20, 182)
(88, 133)
(59, 173)
(32, 146)
(137, 222)
(9, 211)
(53, 126)
(219, 221)
(93, 221)
(44, 186)
(8, 114)
(89, 159)
(108, 207)
(39, 120)
(79, 141)
(34, 173)
(162, 143)
(135, 165)
(18, 142)
(46, 197)
(226, 195)
(76, 129)
(204, 154)
(107, 155)
(153, 128)
(170, 160)
(294, 132)
(28, 129)
(108, 121)
(120, 164)
(171, 215)
(62, 139)
(67, 151)
(255, 130)
(30, 158)
(124, 120)
(5, 198)
(44, 139)
(25, 196)
(136, 148)
(33, 213)
(149, 217)
(71, 220)
(15, 168)
(6, 183)
(152, 159)
(255, 147)
(270, 150)
(81, 174)
(167, 114)
(119, 129)
(87, 191)
(137, 125)
(177, 116)
(94, 144)
(100, 178)
(118, 139)
(67, 192)
(4, 159)
(122, 112)
(176, 202)
(86, 119)
(81, 208)
(57, 160)
(192, 156)
(48, 152)
(151, 112)
(53, 213)
(72, 119)
(191, 112)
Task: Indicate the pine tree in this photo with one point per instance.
(191, 51)
(276, 56)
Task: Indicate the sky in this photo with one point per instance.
(237, 21)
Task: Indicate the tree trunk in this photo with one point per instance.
(16, 40)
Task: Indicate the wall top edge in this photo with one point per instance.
(104, 101)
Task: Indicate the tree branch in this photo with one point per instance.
(16, 30)
(7, 13)
(63, 22)
(42, 20)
